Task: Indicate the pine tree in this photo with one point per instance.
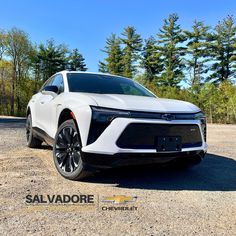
(169, 40)
(113, 62)
(132, 46)
(151, 61)
(102, 67)
(197, 52)
(223, 46)
(76, 61)
(52, 58)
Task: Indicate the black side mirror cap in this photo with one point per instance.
(51, 88)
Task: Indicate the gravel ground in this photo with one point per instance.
(200, 201)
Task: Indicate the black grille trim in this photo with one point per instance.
(143, 135)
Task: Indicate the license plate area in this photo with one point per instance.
(169, 143)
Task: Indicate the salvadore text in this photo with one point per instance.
(59, 199)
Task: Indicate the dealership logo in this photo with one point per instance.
(60, 199)
(168, 117)
(119, 199)
(122, 202)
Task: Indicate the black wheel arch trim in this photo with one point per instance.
(43, 136)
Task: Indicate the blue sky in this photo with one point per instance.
(87, 24)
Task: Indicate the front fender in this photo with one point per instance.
(83, 116)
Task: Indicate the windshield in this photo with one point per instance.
(104, 84)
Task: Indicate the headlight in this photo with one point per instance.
(106, 114)
(101, 118)
(201, 116)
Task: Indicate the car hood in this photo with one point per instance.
(141, 103)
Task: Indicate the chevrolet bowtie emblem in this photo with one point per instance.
(119, 199)
(168, 117)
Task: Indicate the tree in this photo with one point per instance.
(18, 48)
(197, 52)
(223, 47)
(5, 82)
(169, 40)
(102, 67)
(113, 60)
(52, 58)
(132, 46)
(3, 41)
(76, 60)
(151, 61)
(36, 66)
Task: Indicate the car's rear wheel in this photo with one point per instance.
(67, 152)
(32, 141)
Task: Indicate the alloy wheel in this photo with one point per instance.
(68, 149)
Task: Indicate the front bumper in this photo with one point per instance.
(106, 144)
(102, 161)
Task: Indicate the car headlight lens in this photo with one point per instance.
(106, 114)
(201, 116)
(101, 118)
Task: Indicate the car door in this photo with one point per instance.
(47, 106)
(37, 104)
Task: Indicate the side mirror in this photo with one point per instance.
(51, 88)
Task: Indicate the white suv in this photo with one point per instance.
(96, 120)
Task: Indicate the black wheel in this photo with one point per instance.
(32, 141)
(67, 152)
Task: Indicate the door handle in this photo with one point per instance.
(41, 102)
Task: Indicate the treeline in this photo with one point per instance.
(197, 65)
(24, 67)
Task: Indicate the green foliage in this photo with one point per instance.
(223, 47)
(170, 37)
(197, 51)
(114, 53)
(102, 67)
(76, 61)
(24, 68)
(18, 48)
(132, 45)
(151, 59)
(3, 43)
(51, 57)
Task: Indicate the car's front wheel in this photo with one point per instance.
(67, 152)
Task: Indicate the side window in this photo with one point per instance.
(48, 82)
(58, 81)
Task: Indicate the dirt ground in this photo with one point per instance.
(198, 201)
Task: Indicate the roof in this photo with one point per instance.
(86, 72)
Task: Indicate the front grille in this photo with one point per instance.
(144, 136)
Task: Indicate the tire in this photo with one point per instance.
(32, 141)
(67, 152)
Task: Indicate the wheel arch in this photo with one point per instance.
(66, 114)
(28, 111)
